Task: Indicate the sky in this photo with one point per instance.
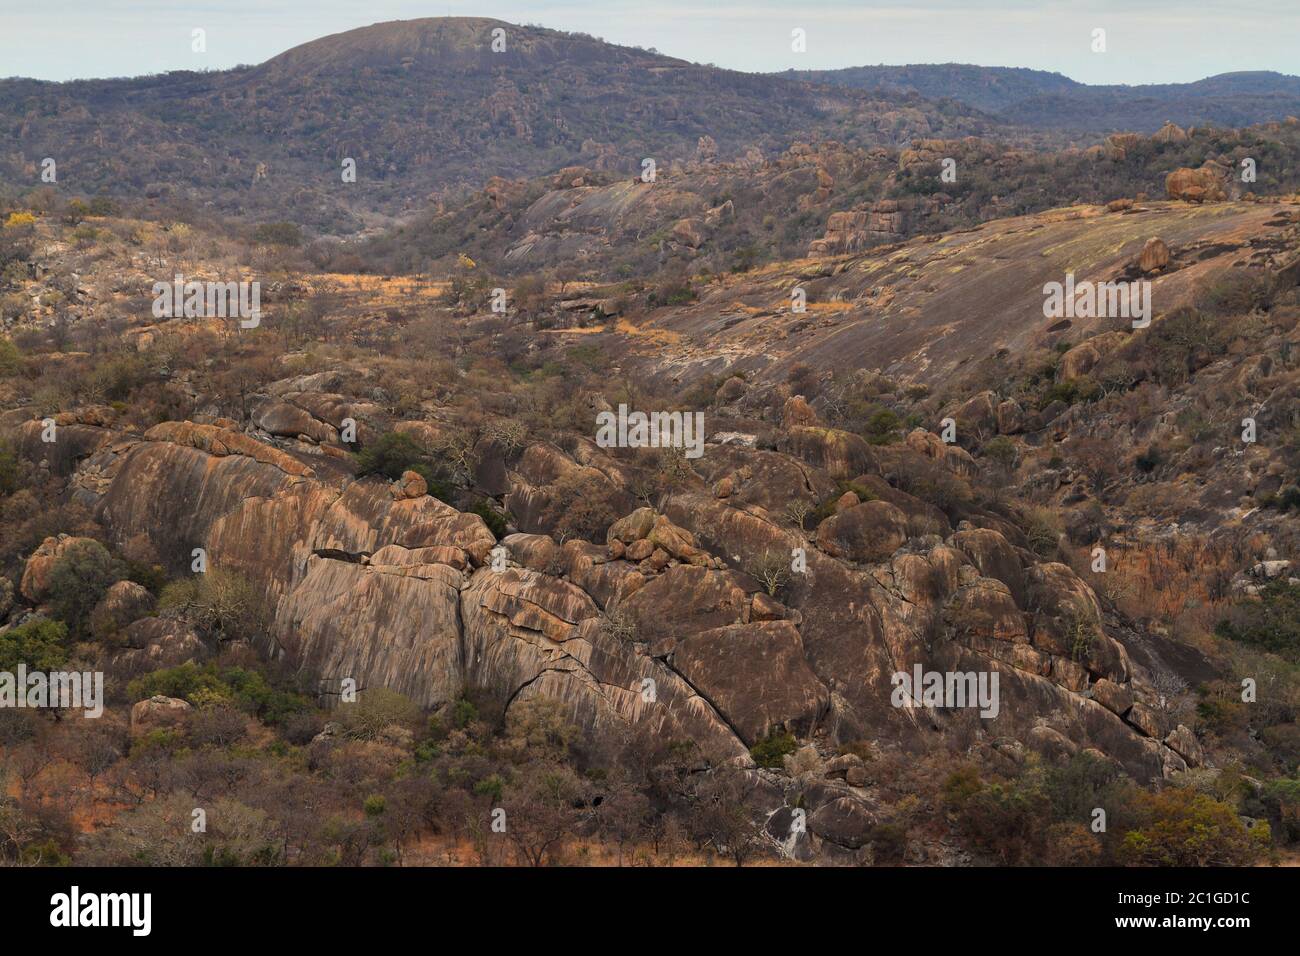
(1147, 41)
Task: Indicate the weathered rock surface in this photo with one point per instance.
(156, 713)
(663, 622)
(35, 584)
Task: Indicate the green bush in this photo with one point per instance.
(239, 687)
(883, 427)
(78, 581)
(463, 713)
(1185, 828)
(389, 455)
(494, 519)
(278, 234)
(769, 751)
(1287, 499)
(39, 644)
(9, 470)
(1270, 622)
(11, 360)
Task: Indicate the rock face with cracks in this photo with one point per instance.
(398, 590)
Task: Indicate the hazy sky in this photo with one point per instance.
(1148, 41)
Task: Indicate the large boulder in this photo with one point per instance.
(1155, 255)
(994, 556)
(157, 713)
(152, 643)
(1195, 185)
(865, 533)
(756, 675)
(844, 821)
(121, 604)
(35, 583)
(839, 453)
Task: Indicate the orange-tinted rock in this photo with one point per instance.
(1155, 255)
(35, 584)
(1195, 185)
(865, 533)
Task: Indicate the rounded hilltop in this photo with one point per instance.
(442, 43)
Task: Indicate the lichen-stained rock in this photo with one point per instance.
(1026, 699)
(1011, 417)
(519, 623)
(1084, 357)
(533, 485)
(742, 537)
(986, 609)
(535, 603)
(925, 580)
(1184, 743)
(410, 485)
(865, 534)
(74, 442)
(1155, 255)
(605, 686)
(955, 459)
(755, 675)
(683, 600)
(977, 417)
(768, 479)
(607, 582)
(1067, 622)
(632, 527)
(277, 417)
(994, 557)
(1145, 719)
(325, 412)
(922, 517)
(365, 517)
(378, 626)
(839, 453)
(846, 640)
(844, 821)
(418, 562)
(797, 411)
(121, 604)
(268, 539)
(173, 494)
(537, 552)
(1195, 185)
(152, 643)
(221, 442)
(35, 583)
(1114, 697)
(676, 542)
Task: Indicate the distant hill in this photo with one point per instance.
(1230, 99)
(1050, 101)
(430, 112)
(988, 88)
(422, 106)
